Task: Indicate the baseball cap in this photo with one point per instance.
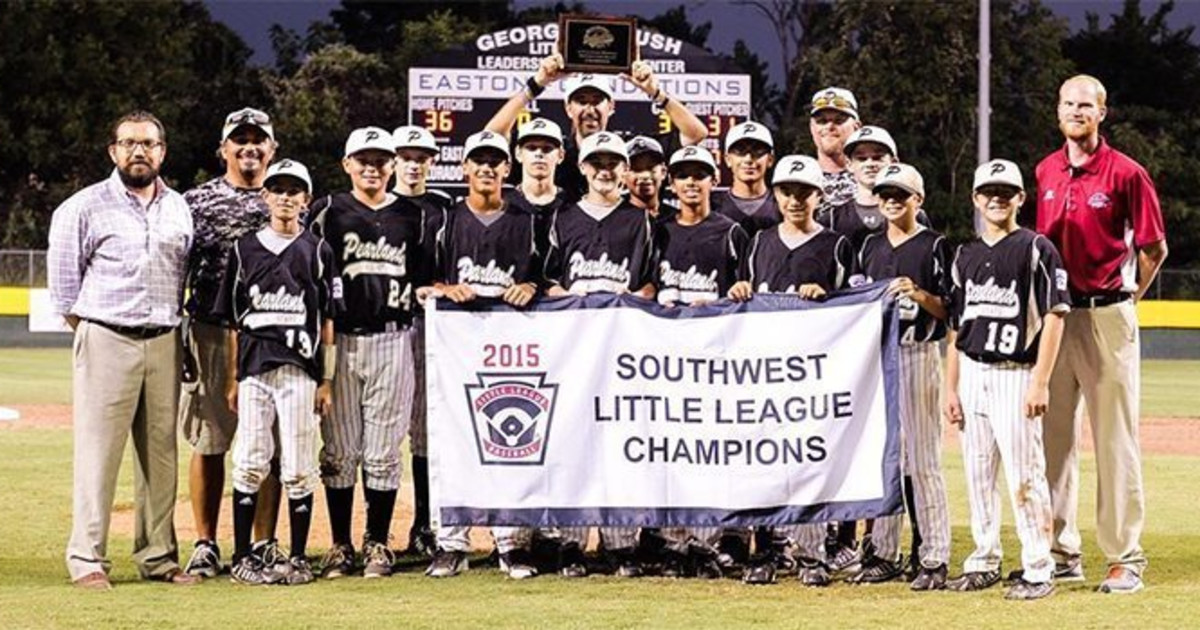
(597, 82)
(247, 116)
(414, 137)
(367, 138)
(540, 128)
(998, 172)
(835, 98)
(641, 145)
(696, 154)
(289, 168)
(749, 130)
(485, 140)
(902, 176)
(798, 169)
(602, 142)
(871, 133)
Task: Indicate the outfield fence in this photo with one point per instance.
(27, 268)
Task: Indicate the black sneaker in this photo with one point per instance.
(377, 559)
(760, 569)
(1023, 590)
(703, 563)
(249, 570)
(447, 564)
(299, 571)
(876, 570)
(571, 563)
(421, 542)
(732, 553)
(974, 581)
(930, 579)
(338, 562)
(673, 564)
(205, 561)
(625, 563)
(517, 564)
(274, 561)
(814, 573)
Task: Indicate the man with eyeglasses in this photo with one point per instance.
(833, 117)
(416, 151)
(117, 261)
(224, 209)
(1100, 209)
(589, 104)
(485, 248)
(376, 240)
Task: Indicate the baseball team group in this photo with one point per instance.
(302, 349)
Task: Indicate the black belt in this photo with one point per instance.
(135, 332)
(1096, 300)
(375, 329)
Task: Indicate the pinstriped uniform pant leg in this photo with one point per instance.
(1021, 451)
(387, 401)
(923, 445)
(295, 400)
(454, 538)
(417, 433)
(254, 444)
(619, 538)
(981, 461)
(809, 540)
(510, 538)
(341, 431)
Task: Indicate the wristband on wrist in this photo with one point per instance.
(535, 90)
(328, 362)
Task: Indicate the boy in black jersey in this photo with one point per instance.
(917, 262)
(485, 247)
(1009, 300)
(749, 154)
(376, 238)
(868, 151)
(796, 256)
(416, 150)
(540, 153)
(279, 289)
(645, 177)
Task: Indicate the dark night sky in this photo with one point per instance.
(252, 19)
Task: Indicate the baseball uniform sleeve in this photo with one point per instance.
(943, 285)
(738, 244)
(1144, 210)
(649, 254)
(1049, 279)
(225, 306)
(554, 262)
(955, 291)
(329, 283)
(746, 265)
(845, 265)
(435, 252)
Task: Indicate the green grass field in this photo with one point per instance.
(35, 465)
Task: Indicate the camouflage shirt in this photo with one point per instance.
(839, 189)
(221, 214)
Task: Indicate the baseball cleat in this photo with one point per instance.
(422, 542)
(1023, 590)
(517, 565)
(974, 581)
(845, 559)
(1121, 581)
(1069, 571)
(377, 559)
(338, 562)
(205, 561)
(814, 573)
(275, 563)
(760, 570)
(704, 564)
(732, 553)
(930, 579)
(876, 570)
(250, 570)
(625, 563)
(299, 571)
(447, 564)
(571, 562)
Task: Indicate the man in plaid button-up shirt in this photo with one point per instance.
(118, 254)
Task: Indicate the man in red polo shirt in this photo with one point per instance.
(1101, 211)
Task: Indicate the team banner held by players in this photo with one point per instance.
(612, 410)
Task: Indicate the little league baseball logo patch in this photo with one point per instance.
(511, 415)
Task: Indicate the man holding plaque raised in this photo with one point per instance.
(589, 98)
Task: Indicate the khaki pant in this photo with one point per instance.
(1100, 359)
(124, 387)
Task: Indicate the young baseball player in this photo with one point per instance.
(539, 151)
(917, 260)
(485, 247)
(376, 238)
(279, 289)
(797, 256)
(602, 243)
(416, 151)
(645, 177)
(749, 154)
(1009, 299)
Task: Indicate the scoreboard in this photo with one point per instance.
(455, 93)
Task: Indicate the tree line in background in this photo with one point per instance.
(69, 68)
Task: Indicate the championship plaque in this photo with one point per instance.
(597, 44)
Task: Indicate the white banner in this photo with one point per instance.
(611, 410)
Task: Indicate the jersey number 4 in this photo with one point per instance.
(1008, 338)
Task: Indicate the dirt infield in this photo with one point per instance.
(1166, 436)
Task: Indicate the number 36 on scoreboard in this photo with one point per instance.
(439, 121)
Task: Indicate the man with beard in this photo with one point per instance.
(833, 117)
(416, 151)
(1100, 209)
(117, 259)
(223, 210)
(589, 104)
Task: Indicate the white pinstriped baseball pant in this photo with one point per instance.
(285, 394)
(996, 434)
(372, 398)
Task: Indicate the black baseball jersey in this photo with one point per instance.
(698, 262)
(825, 259)
(856, 221)
(925, 258)
(278, 302)
(613, 254)
(568, 177)
(764, 216)
(1001, 292)
(542, 213)
(490, 257)
(379, 254)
